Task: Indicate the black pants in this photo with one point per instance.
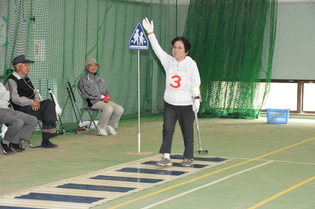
(185, 116)
(46, 113)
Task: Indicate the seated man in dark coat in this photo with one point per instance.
(25, 98)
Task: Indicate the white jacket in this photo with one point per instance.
(4, 96)
(182, 78)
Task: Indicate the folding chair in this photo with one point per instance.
(29, 143)
(92, 112)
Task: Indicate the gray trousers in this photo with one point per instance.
(20, 125)
(111, 113)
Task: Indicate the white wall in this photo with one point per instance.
(294, 56)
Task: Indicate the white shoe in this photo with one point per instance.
(102, 131)
(111, 130)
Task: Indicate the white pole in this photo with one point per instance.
(138, 101)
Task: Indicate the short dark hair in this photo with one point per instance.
(185, 42)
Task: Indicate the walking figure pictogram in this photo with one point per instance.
(138, 39)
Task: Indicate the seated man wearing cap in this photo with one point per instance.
(95, 92)
(25, 98)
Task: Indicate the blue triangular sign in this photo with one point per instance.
(138, 39)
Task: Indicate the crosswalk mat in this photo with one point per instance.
(101, 186)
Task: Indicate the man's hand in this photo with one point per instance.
(36, 105)
(147, 25)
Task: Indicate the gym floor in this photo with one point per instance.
(271, 165)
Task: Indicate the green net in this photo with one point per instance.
(232, 45)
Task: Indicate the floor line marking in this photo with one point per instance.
(279, 161)
(206, 185)
(282, 193)
(209, 174)
(292, 162)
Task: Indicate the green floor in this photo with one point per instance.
(273, 164)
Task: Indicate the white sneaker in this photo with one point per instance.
(102, 131)
(111, 130)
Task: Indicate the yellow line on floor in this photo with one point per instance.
(282, 193)
(209, 174)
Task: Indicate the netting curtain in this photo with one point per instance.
(60, 34)
(233, 44)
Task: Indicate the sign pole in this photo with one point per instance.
(139, 41)
(139, 135)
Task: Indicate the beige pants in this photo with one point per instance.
(111, 113)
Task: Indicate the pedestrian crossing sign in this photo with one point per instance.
(138, 39)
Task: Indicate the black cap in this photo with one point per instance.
(21, 59)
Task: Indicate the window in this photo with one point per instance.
(299, 96)
(282, 96)
(309, 97)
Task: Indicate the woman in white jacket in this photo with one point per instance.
(182, 95)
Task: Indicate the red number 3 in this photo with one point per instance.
(177, 80)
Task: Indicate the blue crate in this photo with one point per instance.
(277, 116)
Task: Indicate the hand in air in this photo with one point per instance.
(147, 25)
